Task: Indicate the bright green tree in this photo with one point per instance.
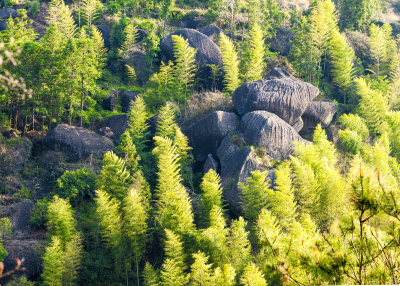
(254, 57)
(211, 196)
(230, 63)
(252, 276)
(200, 271)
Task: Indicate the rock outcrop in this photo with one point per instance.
(126, 97)
(6, 13)
(206, 134)
(282, 94)
(210, 164)
(318, 112)
(78, 142)
(210, 30)
(267, 130)
(117, 124)
(237, 162)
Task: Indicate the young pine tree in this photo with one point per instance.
(60, 15)
(373, 106)
(254, 58)
(200, 272)
(135, 226)
(174, 209)
(131, 35)
(185, 66)
(166, 121)
(91, 10)
(138, 126)
(231, 63)
(255, 193)
(53, 263)
(151, 277)
(211, 196)
(252, 276)
(225, 276)
(173, 268)
(239, 245)
(342, 60)
(114, 178)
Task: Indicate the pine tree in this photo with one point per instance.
(138, 126)
(252, 276)
(254, 57)
(166, 121)
(231, 63)
(164, 81)
(373, 106)
(19, 30)
(131, 73)
(214, 238)
(150, 276)
(131, 35)
(172, 270)
(383, 49)
(107, 210)
(282, 201)
(72, 259)
(357, 15)
(98, 43)
(181, 143)
(174, 206)
(342, 60)
(255, 193)
(225, 276)
(128, 148)
(53, 263)
(61, 220)
(200, 273)
(185, 66)
(135, 227)
(114, 178)
(91, 9)
(61, 16)
(239, 244)
(211, 196)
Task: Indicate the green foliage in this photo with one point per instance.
(138, 126)
(39, 216)
(21, 281)
(166, 121)
(211, 196)
(342, 60)
(174, 209)
(76, 185)
(254, 57)
(131, 35)
(173, 267)
(91, 10)
(61, 16)
(252, 276)
(52, 263)
(61, 221)
(185, 66)
(357, 14)
(373, 106)
(200, 272)
(114, 178)
(231, 63)
(255, 193)
(150, 275)
(239, 245)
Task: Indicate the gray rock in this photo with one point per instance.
(106, 131)
(237, 162)
(318, 112)
(283, 94)
(332, 132)
(137, 60)
(126, 97)
(191, 23)
(109, 103)
(267, 130)
(3, 25)
(210, 30)
(23, 243)
(207, 51)
(210, 164)
(206, 134)
(6, 13)
(78, 142)
(141, 35)
(298, 125)
(117, 124)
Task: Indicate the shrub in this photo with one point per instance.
(76, 185)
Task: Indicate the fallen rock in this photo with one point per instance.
(126, 97)
(117, 124)
(78, 142)
(267, 130)
(237, 162)
(282, 94)
(282, 40)
(318, 112)
(298, 125)
(208, 53)
(206, 134)
(210, 164)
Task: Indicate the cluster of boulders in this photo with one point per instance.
(270, 114)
